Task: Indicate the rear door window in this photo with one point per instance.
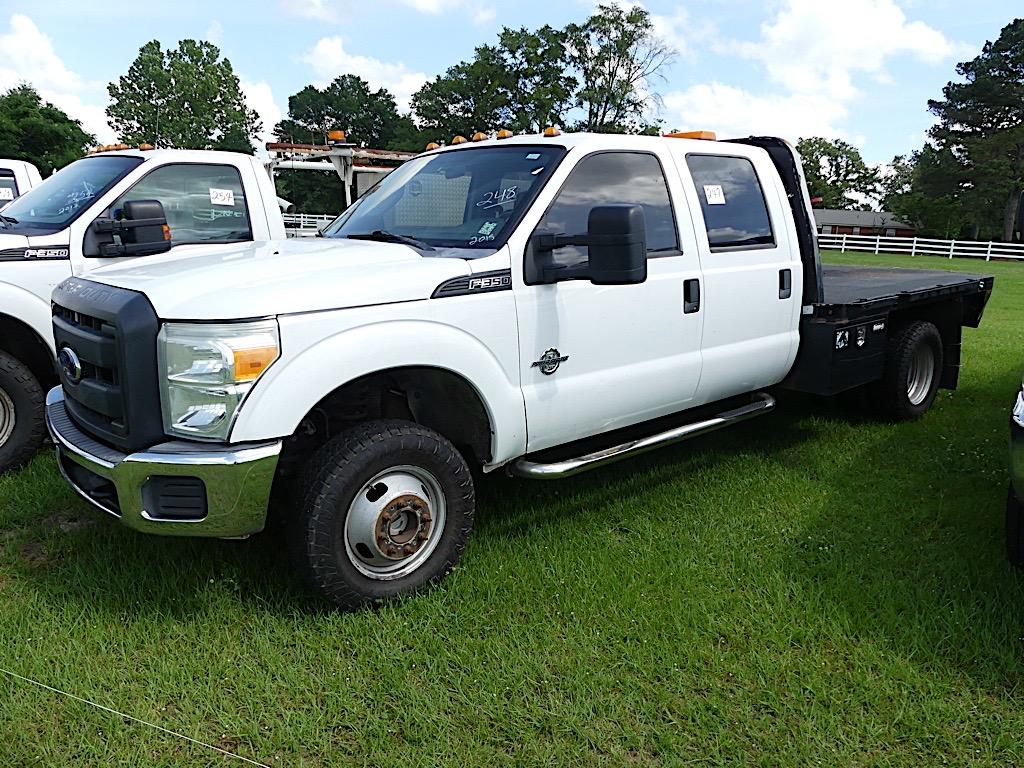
(203, 203)
(732, 201)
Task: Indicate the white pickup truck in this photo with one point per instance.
(543, 304)
(81, 218)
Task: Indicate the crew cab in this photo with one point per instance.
(99, 210)
(16, 178)
(540, 305)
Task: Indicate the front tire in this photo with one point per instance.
(388, 509)
(913, 367)
(22, 428)
(1014, 529)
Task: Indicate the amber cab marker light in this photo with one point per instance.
(552, 131)
(432, 145)
(145, 147)
(504, 133)
(479, 136)
(459, 140)
(705, 135)
(336, 137)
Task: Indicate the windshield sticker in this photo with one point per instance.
(6, 194)
(222, 196)
(714, 194)
(499, 197)
(480, 239)
(535, 171)
(487, 228)
(533, 156)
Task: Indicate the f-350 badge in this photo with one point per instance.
(550, 361)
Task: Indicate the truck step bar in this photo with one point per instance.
(763, 403)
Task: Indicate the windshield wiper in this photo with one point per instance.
(8, 220)
(390, 237)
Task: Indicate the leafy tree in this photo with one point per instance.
(618, 57)
(981, 120)
(470, 96)
(311, 191)
(536, 86)
(34, 130)
(188, 98)
(836, 172)
(368, 117)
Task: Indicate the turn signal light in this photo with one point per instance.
(459, 140)
(167, 232)
(705, 135)
(251, 362)
(552, 131)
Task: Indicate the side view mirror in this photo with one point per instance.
(616, 240)
(142, 232)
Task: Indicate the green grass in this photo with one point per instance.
(809, 588)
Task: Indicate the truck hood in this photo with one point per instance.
(280, 277)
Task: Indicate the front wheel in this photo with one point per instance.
(388, 509)
(913, 367)
(21, 413)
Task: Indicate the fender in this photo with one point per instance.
(30, 309)
(293, 385)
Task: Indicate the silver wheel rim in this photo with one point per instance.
(6, 417)
(921, 374)
(395, 522)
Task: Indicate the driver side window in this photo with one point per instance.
(203, 203)
(608, 178)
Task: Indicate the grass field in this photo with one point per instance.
(809, 588)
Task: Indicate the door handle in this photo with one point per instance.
(691, 296)
(785, 283)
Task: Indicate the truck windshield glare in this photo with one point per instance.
(470, 198)
(57, 202)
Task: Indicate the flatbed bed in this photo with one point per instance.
(843, 338)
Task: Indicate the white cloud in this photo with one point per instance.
(484, 16)
(260, 97)
(27, 55)
(310, 9)
(328, 58)
(214, 33)
(732, 111)
(814, 55)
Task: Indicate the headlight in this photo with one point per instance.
(208, 368)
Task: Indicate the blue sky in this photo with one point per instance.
(862, 70)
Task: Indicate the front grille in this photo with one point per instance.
(112, 333)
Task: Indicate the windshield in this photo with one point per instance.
(470, 198)
(59, 200)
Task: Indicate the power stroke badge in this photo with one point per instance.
(550, 361)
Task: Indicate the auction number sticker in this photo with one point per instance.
(714, 194)
(222, 196)
(6, 194)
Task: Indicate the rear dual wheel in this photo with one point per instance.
(913, 367)
(388, 509)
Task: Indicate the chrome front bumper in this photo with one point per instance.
(227, 488)
(1017, 446)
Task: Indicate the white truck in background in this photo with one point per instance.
(97, 211)
(16, 178)
(540, 304)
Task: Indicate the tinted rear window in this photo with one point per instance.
(731, 198)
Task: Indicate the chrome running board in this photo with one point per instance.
(763, 403)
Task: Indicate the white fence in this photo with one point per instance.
(305, 224)
(922, 246)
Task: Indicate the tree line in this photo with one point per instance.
(597, 75)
